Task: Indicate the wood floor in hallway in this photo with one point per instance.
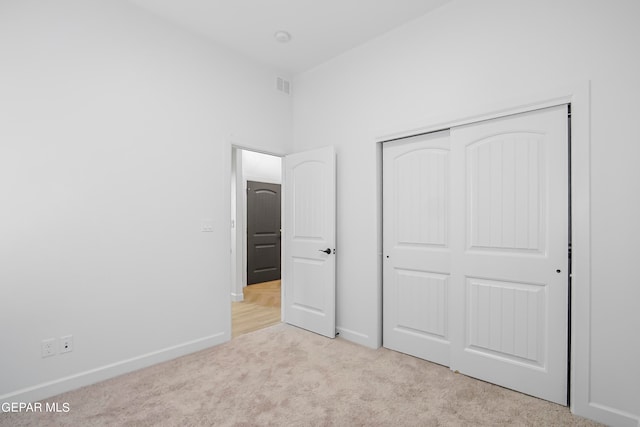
(259, 309)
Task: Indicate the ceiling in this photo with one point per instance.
(320, 29)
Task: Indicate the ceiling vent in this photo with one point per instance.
(283, 85)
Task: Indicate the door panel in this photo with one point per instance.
(421, 296)
(507, 319)
(506, 192)
(510, 256)
(263, 232)
(309, 281)
(416, 247)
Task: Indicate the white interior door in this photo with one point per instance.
(477, 274)
(510, 255)
(417, 250)
(309, 248)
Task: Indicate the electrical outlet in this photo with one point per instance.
(48, 347)
(66, 344)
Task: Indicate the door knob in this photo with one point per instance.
(326, 251)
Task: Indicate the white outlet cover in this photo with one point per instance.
(48, 347)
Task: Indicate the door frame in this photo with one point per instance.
(578, 95)
(238, 222)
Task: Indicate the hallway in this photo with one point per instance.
(259, 309)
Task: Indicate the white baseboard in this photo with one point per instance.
(72, 382)
(356, 337)
(237, 297)
(606, 415)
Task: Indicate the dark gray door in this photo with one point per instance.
(263, 232)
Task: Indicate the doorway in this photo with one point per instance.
(255, 240)
(308, 286)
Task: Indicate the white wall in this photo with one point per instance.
(465, 57)
(261, 167)
(114, 146)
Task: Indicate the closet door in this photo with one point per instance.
(510, 199)
(476, 250)
(417, 250)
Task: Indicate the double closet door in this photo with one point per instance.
(475, 253)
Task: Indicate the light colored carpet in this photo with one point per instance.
(284, 376)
